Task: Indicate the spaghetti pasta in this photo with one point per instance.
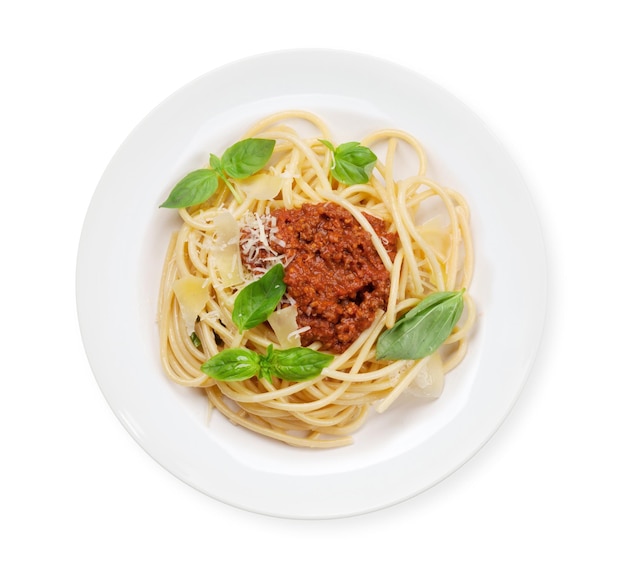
(224, 244)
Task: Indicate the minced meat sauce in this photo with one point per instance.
(334, 273)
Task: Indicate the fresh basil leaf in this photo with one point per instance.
(195, 340)
(298, 364)
(357, 155)
(246, 157)
(423, 329)
(193, 189)
(258, 299)
(328, 144)
(215, 162)
(234, 364)
(430, 300)
(352, 162)
(349, 147)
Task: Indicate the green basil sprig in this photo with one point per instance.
(259, 299)
(352, 163)
(423, 329)
(293, 364)
(239, 161)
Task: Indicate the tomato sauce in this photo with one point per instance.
(334, 273)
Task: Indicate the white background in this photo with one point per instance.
(545, 493)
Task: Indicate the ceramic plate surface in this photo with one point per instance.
(395, 455)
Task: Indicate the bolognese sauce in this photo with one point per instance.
(334, 273)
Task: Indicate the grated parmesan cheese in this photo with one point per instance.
(258, 234)
(295, 335)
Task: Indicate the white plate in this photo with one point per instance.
(395, 455)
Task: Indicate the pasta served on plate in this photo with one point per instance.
(308, 283)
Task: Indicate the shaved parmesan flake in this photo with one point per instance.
(429, 379)
(284, 324)
(226, 228)
(225, 250)
(192, 296)
(261, 186)
(437, 234)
